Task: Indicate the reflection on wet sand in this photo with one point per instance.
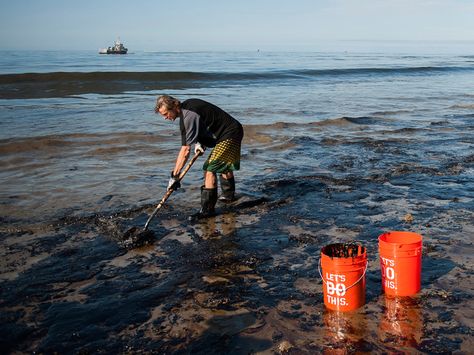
(402, 322)
(344, 331)
(217, 227)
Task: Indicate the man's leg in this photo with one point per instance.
(210, 180)
(225, 156)
(227, 182)
(208, 196)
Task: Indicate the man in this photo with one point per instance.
(205, 125)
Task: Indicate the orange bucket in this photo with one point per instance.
(400, 263)
(343, 272)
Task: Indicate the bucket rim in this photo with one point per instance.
(399, 238)
(362, 254)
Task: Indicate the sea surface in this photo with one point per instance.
(75, 126)
(339, 146)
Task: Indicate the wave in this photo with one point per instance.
(463, 106)
(84, 143)
(61, 84)
(119, 142)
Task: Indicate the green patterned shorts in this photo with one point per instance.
(225, 157)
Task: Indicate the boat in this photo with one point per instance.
(117, 48)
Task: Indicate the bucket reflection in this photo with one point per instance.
(343, 332)
(402, 322)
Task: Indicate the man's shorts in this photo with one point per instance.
(225, 157)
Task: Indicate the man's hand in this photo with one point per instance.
(199, 148)
(174, 182)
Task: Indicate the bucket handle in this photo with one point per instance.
(347, 288)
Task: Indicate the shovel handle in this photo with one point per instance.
(190, 164)
(170, 191)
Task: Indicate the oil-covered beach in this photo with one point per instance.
(339, 147)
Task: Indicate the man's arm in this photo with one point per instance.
(181, 159)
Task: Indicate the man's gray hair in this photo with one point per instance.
(169, 102)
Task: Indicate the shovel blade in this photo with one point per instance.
(136, 237)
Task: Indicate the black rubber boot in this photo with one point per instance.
(228, 189)
(208, 203)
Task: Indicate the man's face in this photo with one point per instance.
(168, 114)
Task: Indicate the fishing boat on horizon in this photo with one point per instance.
(117, 48)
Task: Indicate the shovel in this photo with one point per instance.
(135, 232)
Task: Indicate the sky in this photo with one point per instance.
(187, 25)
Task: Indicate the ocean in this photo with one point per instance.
(78, 126)
(340, 146)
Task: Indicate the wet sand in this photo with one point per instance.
(247, 281)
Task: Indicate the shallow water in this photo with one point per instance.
(325, 160)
